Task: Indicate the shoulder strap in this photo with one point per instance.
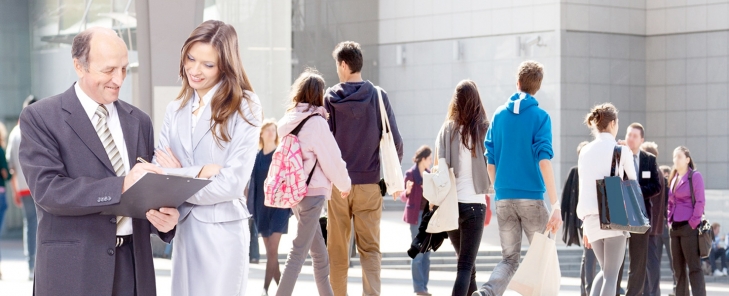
(295, 132)
(617, 152)
(691, 186)
(383, 111)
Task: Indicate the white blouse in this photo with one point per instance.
(196, 104)
(594, 164)
(464, 181)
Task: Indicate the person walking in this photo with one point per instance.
(323, 161)
(459, 143)
(686, 201)
(270, 223)
(415, 205)
(22, 195)
(594, 164)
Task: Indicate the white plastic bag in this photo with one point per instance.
(538, 274)
(391, 169)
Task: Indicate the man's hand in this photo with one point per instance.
(167, 159)
(209, 170)
(345, 194)
(555, 222)
(137, 172)
(164, 220)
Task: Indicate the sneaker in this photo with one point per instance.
(724, 271)
(423, 294)
(479, 293)
(718, 273)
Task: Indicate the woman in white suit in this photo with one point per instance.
(594, 163)
(211, 131)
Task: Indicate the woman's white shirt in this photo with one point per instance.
(594, 163)
(196, 104)
(464, 181)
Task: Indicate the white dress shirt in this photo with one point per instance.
(112, 121)
(594, 164)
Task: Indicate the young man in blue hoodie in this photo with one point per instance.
(354, 118)
(519, 152)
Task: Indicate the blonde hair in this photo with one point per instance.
(266, 124)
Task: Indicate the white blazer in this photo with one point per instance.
(594, 164)
(223, 199)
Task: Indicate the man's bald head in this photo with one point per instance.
(81, 47)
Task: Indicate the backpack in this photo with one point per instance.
(285, 185)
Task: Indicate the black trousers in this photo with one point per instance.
(124, 282)
(466, 240)
(685, 251)
(638, 251)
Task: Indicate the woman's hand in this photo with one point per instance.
(209, 170)
(167, 159)
(409, 187)
(586, 242)
(345, 194)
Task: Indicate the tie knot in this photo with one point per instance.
(102, 112)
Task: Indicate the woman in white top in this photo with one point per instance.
(211, 131)
(460, 143)
(595, 162)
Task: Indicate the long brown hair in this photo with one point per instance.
(691, 165)
(308, 88)
(234, 82)
(468, 115)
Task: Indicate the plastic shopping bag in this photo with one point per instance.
(539, 273)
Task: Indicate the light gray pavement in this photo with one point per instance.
(395, 238)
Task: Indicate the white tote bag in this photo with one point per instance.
(445, 217)
(437, 183)
(390, 162)
(538, 274)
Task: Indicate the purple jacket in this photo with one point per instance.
(680, 206)
(414, 200)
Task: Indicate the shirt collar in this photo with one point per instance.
(208, 96)
(89, 104)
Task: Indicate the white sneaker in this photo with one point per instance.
(718, 273)
(724, 272)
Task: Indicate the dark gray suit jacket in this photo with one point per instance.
(72, 182)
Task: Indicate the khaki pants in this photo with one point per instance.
(364, 204)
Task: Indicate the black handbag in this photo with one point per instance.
(706, 234)
(620, 201)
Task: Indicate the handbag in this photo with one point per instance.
(392, 171)
(539, 273)
(445, 217)
(705, 232)
(620, 201)
(437, 183)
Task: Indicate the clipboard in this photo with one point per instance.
(154, 191)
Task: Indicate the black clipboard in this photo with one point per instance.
(154, 191)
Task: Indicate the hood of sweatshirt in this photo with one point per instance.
(292, 118)
(356, 95)
(521, 101)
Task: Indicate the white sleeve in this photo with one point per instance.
(626, 161)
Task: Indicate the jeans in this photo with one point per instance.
(30, 228)
(587, 270)
(717, 254)
(653, 276)
(514, 216)
(3, 207)
(420, 266)
(254, 252)
(466, 240)
(685, 250)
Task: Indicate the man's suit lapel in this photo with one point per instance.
(130, 129)
(76, 117)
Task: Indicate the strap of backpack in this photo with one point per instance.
(295, 132)
(691, 186)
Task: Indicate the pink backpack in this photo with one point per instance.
(285, 185)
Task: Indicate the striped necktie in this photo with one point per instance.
(102, 129)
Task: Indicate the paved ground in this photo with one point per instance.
(395, 238)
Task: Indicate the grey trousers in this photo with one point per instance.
(610, 253)
(308, 239)
(514, 216)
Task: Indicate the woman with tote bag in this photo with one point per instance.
(594, 164)
(460, 143)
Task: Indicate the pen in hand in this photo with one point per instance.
(141, 160)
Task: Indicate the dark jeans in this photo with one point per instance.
(466, 240)
(3, 203)
(685, 251)
(254, 252)
(655, 255)
(587, 270)
(717, 254)
(638, 250)
(30, 229)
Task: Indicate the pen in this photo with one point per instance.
(141, 160)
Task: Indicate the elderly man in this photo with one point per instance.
(78, 151)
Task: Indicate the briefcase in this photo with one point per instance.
(620, 201)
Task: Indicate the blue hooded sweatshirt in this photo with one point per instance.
(519, 137)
